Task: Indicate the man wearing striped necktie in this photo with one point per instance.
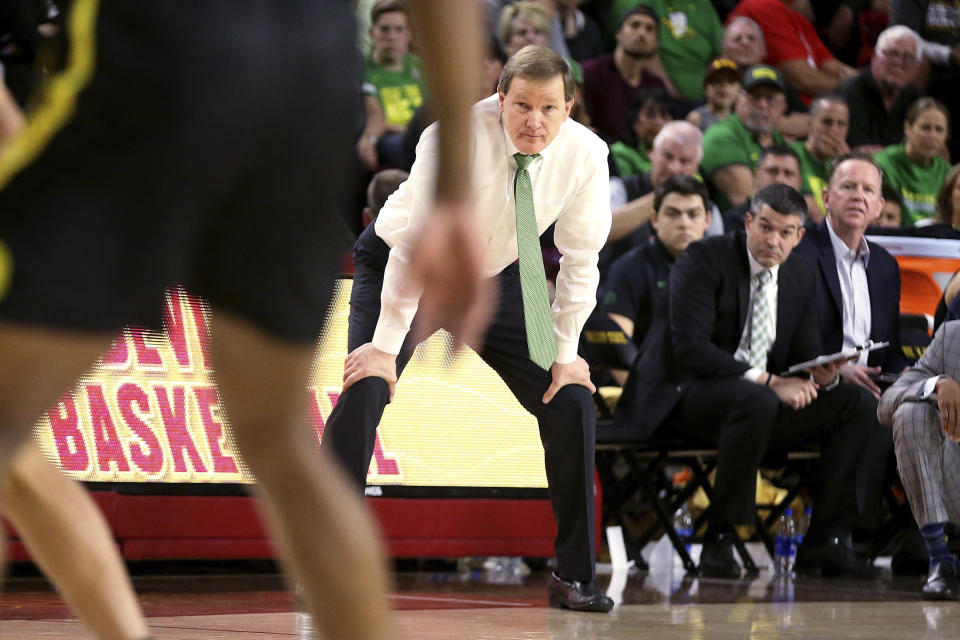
(742, 310)
(532, 167)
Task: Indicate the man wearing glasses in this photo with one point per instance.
(731, 147)
(879, 96)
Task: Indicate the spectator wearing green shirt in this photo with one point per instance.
(916, 168)
(731, 147)
(829, 124)
(691, 35)
(393, 85)
(649, 112)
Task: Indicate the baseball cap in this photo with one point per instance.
(720, 70)
(763, 74)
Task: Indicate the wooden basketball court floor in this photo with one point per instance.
(444, 605)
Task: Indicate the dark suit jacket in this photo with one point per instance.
(709, 300)
(883, 280)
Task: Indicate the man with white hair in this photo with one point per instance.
(677, 150)
(879, 96)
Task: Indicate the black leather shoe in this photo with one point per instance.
(716, 559)
(834, 557)
(576, 595)
(941, 583)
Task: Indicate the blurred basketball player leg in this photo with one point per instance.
(68, 538)
(324, 534)
(58, 520)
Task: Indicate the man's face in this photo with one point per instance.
(390, 37)
(743, 44)
(828, 129)
(853, 199)
(760, 108)
(524, 33)
(672, 158)
(638, 36)
(895, 66)
(776, 169)
(680, 221)
(771, 235)
(533, 111)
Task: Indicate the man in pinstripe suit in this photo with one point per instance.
(924, 408)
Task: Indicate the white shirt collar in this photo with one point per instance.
(841, 250)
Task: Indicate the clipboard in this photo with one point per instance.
(845, 354)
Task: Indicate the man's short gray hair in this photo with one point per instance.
(896, 32)
(683, 133)
(754, 25)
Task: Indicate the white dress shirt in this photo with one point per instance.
(854, 291)
(743, 349)
(570, 187)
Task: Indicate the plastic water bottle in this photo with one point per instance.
(803, 525)
(784, 549)
(683, 523)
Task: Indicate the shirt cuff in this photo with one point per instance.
(833, 384)
(754, 374)
(929, 388)
(566, 352)
(388, 340)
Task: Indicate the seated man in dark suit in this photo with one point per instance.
(858, 292)
(741, 312)
(858, 282)
(636, 291)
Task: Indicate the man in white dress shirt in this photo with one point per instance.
(525, 125)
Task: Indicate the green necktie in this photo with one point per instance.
(760, 337)
(541, 341)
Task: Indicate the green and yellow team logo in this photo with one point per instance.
(6, 269)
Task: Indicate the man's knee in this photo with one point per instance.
(571, 411)
(759, 404)
(913, 421)
(571, 401)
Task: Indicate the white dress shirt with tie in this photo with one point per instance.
(570, 187)
(743, 350)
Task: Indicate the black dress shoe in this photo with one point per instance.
(716, 559)
(941, 583)
(832, 558)
(576, 595)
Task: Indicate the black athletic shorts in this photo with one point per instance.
(210, 144)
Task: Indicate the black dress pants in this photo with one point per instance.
(567, 424)
(745, 420)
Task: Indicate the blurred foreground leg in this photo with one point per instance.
(324, 534)
(69, 539)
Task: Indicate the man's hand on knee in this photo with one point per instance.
(576, 372)
(366, 361)
(948, 401)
